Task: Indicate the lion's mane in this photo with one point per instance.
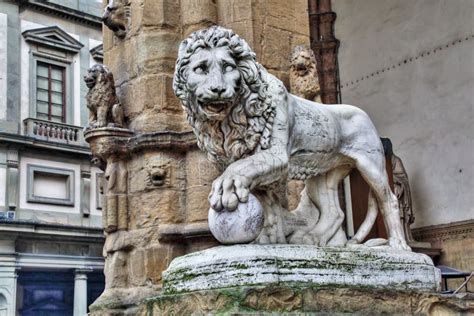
(248, 127)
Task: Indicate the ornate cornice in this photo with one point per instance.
(53, 37)
(26, 141)
(63, 12)
(452, 231)
(106, 141)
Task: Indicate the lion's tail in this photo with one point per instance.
(369, 221)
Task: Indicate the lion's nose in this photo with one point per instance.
(217, 90)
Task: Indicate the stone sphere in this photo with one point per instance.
(240, 226)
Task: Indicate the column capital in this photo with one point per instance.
(82, 271)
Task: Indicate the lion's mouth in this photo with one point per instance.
(90, 82)
(215, 107)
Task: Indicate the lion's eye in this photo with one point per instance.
(200, 69)
(229, 68)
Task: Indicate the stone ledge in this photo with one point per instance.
(294, 300)
(301, 265)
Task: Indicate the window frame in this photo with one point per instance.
(50, 90)
(68, 109)
(31, 198)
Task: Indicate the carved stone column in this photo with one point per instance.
(80, 291)
(12, 179)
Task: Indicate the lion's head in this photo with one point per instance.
(117, 16)
(303, 60)
(98, 74)
(224, 92)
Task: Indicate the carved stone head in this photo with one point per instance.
(97, 74)
(117, 16)
(303, 60)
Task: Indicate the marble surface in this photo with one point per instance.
(240, 226)
(302, 265)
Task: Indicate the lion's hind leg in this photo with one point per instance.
(372, 169)
(323, 191)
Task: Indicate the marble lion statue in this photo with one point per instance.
(102, 102)
(261, 135)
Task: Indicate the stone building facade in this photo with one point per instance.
(50, 204)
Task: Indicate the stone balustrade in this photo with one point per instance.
(54, 132)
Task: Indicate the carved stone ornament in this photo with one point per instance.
(117, 16)
(259, 134)
(304, 81)
(102, 102)
(158, 172)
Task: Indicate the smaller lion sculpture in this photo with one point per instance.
(102, 102)
(303, 75)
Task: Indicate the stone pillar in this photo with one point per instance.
(8, 277)
(80, 291)
(12, 179)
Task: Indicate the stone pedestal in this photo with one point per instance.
(301, 266)
(305, 300)
(248, 279)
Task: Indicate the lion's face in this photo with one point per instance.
(303, 62)
(213, 80)
(115, 16)
(96, 73)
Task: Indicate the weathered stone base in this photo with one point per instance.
(121, 301)
(300, 265)
(315, 301)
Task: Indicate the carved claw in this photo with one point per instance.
(228, 191)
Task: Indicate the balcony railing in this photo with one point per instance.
(54, 132)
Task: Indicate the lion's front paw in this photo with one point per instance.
(228, 191)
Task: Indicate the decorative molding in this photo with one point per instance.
(53, 37)
(164, 140)
(32, 198)
(443, 232)
(63, 12)
(15, 139)
(98, 52)
(125, 142)
(36, 230)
